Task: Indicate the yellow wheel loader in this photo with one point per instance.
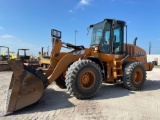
(82, 71)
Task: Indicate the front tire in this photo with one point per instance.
(83, 79)
(134, 76)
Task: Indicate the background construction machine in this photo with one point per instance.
(27, 59)
(3, 56)
(12, 56)
(44, 59)
(82, 70)
(3, 59)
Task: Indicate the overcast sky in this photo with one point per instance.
(27, 23)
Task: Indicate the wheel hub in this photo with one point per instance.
(87, 79)
(138, 76)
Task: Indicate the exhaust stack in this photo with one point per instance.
(134, 41)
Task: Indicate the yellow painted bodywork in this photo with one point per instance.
(12, 56)
(45, 61)
(3, 53)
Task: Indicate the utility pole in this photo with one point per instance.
(150, 48)
(75, 36)
(48, 51)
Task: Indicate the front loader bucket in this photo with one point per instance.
(25, 88)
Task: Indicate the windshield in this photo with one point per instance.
(97, 33)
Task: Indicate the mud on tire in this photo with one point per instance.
(134, 76)
(83, 79)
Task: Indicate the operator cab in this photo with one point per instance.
(108, 36)
(24, 56)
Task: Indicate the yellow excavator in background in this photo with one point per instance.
(82, 70)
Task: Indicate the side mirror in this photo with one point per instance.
(89, 28)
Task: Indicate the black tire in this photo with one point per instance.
(154, 62)
(60, 82)
(83, 79)
(134, 76)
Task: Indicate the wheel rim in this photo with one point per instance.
(138, 75)
(87, 79)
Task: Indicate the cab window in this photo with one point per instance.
(117, 43)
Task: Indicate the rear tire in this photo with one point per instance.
(83, 79)
(134, 76)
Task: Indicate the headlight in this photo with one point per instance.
(55, 33)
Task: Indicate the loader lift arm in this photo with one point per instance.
(68, 45)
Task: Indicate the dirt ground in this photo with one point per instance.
(112, 102)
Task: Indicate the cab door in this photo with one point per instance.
(118, 40)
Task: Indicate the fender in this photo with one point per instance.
(99, 62)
